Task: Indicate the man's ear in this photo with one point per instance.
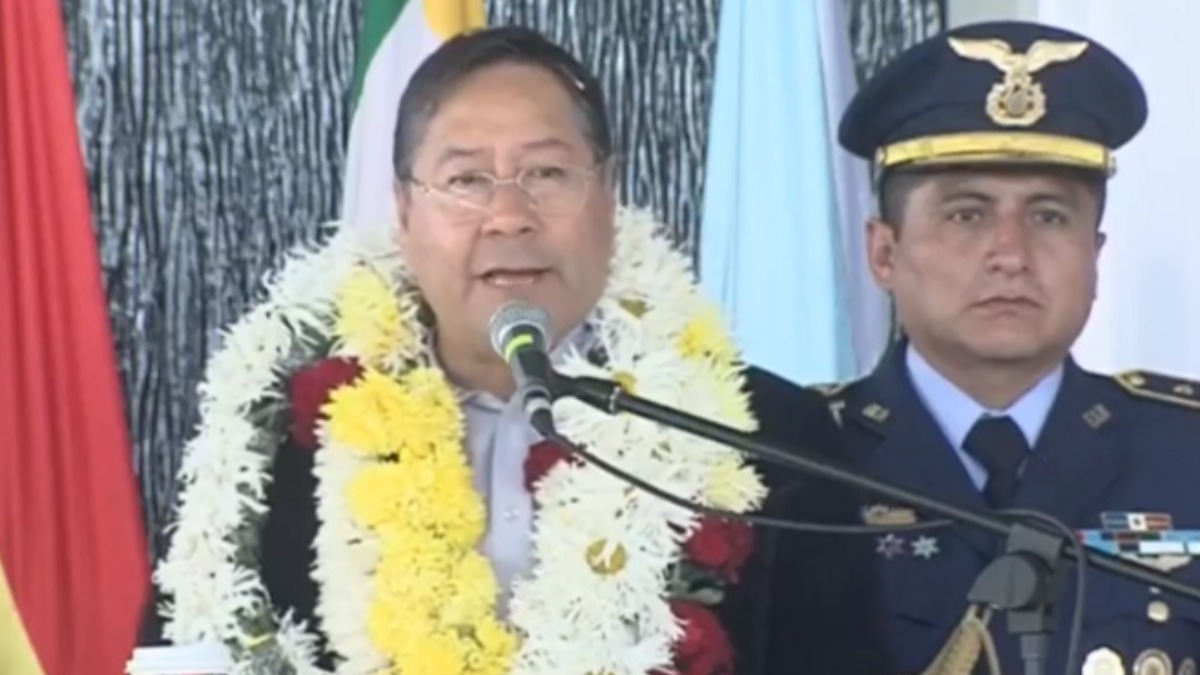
(881, 251)
(402, 197)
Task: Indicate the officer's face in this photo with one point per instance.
(996, 266)
(473, 245)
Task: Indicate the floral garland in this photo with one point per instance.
(614, 587)
(393, 462)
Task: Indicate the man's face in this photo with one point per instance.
(548, 243)
(992, 266)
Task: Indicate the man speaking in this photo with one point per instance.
(366, 493)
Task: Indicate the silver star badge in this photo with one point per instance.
(925, 547)
(890, 546)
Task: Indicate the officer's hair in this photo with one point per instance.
(439, 76)
(896, 186)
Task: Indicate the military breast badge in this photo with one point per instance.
(1146, 538)
(1103, 661)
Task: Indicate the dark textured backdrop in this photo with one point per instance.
(213, 134)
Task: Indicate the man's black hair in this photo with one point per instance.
(896, 186)
(467, 53)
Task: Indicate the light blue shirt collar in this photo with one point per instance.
(956, 412)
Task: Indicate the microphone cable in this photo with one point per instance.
(764, 521)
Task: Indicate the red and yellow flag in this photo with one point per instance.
(73, 564)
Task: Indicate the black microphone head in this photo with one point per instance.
(518, 317)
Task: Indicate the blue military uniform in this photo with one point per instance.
(1114, 457)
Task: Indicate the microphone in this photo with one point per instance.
(520, 334)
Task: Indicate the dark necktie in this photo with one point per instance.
(999, 445)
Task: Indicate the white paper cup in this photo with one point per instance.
(207, 658)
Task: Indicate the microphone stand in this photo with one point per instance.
(1019, 582)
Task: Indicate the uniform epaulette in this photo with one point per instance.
(1158, 387)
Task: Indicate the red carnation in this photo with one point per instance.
(704, 648)
(308, 391)
(721, 546)
(543, 456)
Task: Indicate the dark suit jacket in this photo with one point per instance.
(806, 605)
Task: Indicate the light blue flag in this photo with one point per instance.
(771, 244)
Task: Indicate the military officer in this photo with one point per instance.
(994, 145)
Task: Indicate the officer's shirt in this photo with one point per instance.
(956, 412)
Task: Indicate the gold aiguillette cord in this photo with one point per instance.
(962, 650)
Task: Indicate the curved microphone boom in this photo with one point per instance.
(520, 335)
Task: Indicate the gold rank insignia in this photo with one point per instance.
(1163, 388)
(882, 515)
(1017, 100)
(876, 413)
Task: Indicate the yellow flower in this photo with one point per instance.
(362, 416)
(401, 540)
(495, 649)
(374, 496)
(372, 321)
(435, 499)
(473, 592)
(440, 653)
(732, 400)
(732, 486)
(415, 585)
(704, 336)
(430, 417)
(429, 385)
(410, 584)
(442, 500)
(382, 416)
(393, 625)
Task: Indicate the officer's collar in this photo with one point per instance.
(888, 394)
(956, 411)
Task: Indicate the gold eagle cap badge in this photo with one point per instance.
(1017, 100)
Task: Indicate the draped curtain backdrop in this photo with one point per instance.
(214, 139)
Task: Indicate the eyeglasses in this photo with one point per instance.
(551, 190)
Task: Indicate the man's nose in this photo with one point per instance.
(1009, 251)
(511, 210)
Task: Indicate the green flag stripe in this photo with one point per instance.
(379, 16)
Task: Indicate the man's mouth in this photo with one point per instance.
(1008, 302)
(513, 277)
